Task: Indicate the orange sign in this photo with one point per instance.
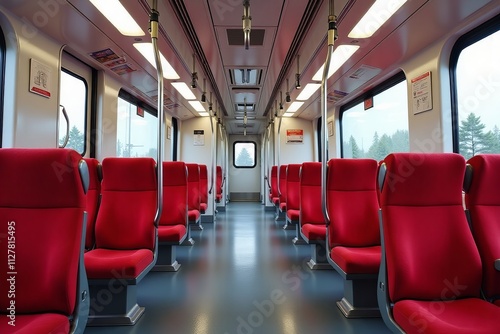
(294, 136)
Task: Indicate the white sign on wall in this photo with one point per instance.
(40, 77)
(421, 90)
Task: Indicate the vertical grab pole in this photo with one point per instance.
(332, 36)
(153, 29)
(279, 148)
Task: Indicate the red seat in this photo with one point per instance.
(42, 202)
(203, 188)
(194, 215)
(352, 205)
(312, 221)
(273, 192)
(430, 275)
(125, 238)
(93, 199)
(282, 187)
(172, 228)
(292, 198)
(218, 184)
(482, 199)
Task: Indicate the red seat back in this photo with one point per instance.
(282, 183)
(428, 244)
(352, 203)
(93, 199)
(128, 204)
(274, 183)
(42, 205)
(203, 183)
(218, 180)
(483, 202)
(193, 186)
(310, 194)
(293, 186)
(175, 192)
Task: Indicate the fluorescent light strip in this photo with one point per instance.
(339, 57)
(294, 106)
(308, 91)
(203, 114)
(198, 106)
(375, 17)
(288, 114)
(184, 90)
(114, 11)
(146, 49)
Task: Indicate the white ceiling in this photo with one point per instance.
(199, 27)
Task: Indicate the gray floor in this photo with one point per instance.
(243, 276)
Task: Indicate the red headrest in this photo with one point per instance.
(174, 173)
(293, 173)
(95, 173)
(203, 172)
(356, 174)
(129, 173)
(274, 171)
(310, 174)
(403, 176)
(486, 178)
(193, 172)
(283, 172)
(20, 171)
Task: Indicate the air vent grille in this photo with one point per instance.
(235, 37)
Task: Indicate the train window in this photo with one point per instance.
(137, 129)
(379, 126)
(73, 101)
(244, 154)
(477, 97)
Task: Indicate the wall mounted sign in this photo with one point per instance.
(421, 90)
(199, 137)
(40, 77)
(294, 136)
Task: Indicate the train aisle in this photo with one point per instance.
(243, 275)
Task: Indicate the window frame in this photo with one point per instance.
(3, 48)
(254, 153)
(389, 83)
(475, 35)
(85, 117)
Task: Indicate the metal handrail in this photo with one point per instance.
(332, 36)
(66, 139)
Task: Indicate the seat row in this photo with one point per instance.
(88, 233)
(397, 232)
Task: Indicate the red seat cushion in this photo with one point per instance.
(314, 232)
(193, 215)
(172, 233)
(282, 184)
(282, 206)
(462, 316)
(36, 324)
(203, 207)
(357, 260)
(293, 215)
(109, 263)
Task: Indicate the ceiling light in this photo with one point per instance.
(198, 106)
(183, 88)
(308, 91)
(339, 57)
(288, 114)
(294, 107)
(375, 17)
(114, 11)
(146, 49)
(203, 113)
